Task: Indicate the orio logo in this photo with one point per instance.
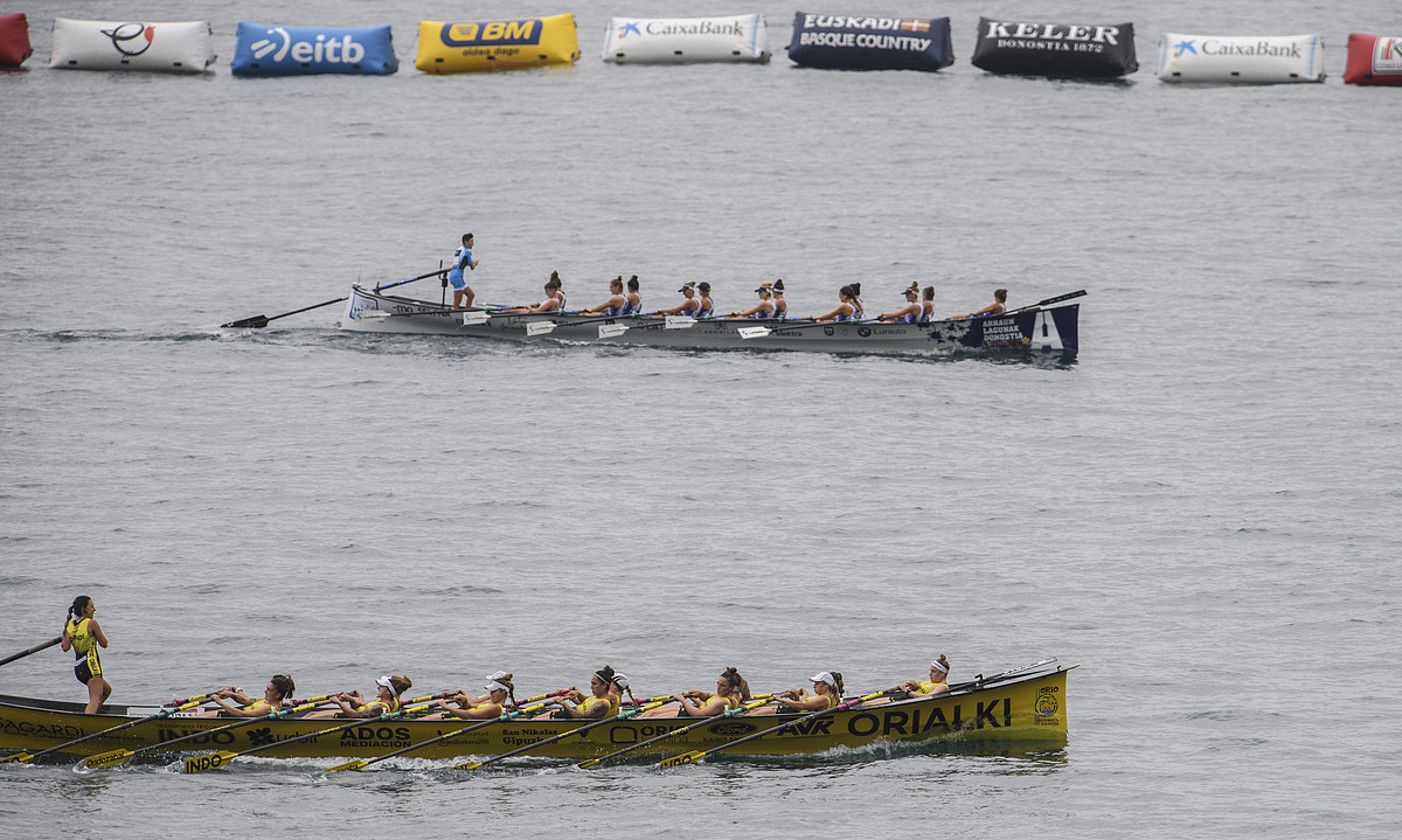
(1047, 704)
(131, 39)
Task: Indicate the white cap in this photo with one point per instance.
(825, 677)
(386, 682)
(620, 680)
(499, 675)
(494, 682)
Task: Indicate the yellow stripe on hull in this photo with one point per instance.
(1029, 710)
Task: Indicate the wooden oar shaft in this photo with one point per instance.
(650, 703)
(22, 654)
(707, 721)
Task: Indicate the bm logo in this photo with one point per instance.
(492, 33)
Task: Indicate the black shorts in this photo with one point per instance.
(83, 672)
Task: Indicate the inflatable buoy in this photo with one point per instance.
(843, 42)
(1267, 59)
(1056, 50)
(1373, 60)
(686, 40)
(14, 40)
(170, 46)
(266, 49)
(496, 44)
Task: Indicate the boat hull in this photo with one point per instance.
(1049, 330)
(1029, 710)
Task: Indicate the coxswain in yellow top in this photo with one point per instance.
(500, 691)
(936, 684)
(731, 691)
(352, 704)
(83, 636)
(827, 693)
(604, 697)
(232, 701)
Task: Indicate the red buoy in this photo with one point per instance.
(14, 40)
(1373, 60)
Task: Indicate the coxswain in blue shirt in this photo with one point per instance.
(910, 313)
(615, 303)
(462, 261)
(762, 310)
(997, 307)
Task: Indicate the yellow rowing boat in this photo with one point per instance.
(1025, 707)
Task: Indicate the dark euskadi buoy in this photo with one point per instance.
(852, 42)
(1055, 50)
(14, 40)
(1373, 60)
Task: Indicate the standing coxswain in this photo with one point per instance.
(83, 636)
(612, 307)
(997, 307)
(762, 310)
(910, 313)
(690, 304)
(462, 260)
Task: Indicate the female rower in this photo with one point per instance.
(83, 636)
(234, 702)
(731, 691)
(927, 304)
(848, 306)
(490, 705)
(781, 306)
(908, 314)
(707, 308)
(604, 700)
(554, 299)
(633, 301)
(827, 693)
(762, 310)
(936, 684)
(997, 307)
(352, 704)
(615, 303)
(690, 306)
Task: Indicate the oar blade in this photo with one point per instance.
(540, 328)
(587, 763)
(354, 764)
(747, 333)
(467, 765)
(373, 315)
(684, 758)
(611, 330)
(475, 318)
(257, 322)
(102, 761)
(208, 761)
(680, 322)
(17, 758)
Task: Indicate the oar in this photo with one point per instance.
(673, 322)
(260, 321)
(532, 708)
(474, 317)
(1039, 304)
(22, 654)
(649, 703)
(117, 757)
(185, 706)
(605, 331)
(761, 332)
(760, 700)
(215, 760)
(698, 755)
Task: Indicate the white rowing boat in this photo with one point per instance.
(1049, 326)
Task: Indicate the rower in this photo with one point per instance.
(689, 306)
(927, 304)
(462, 260)
(827, 693)
(352, 704)
(603, 702)
(490, 705)
(707, 308)
(233, 701)
(554, 299)
(910, 313)
(848, 306)
(997, 307)
(633, 301)
(731, 691)
(762, 310)
(83, 636)
(781, 306)
(938, 683)
(615, 303)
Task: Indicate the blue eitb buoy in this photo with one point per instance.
(266, 49)
(853, 42)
